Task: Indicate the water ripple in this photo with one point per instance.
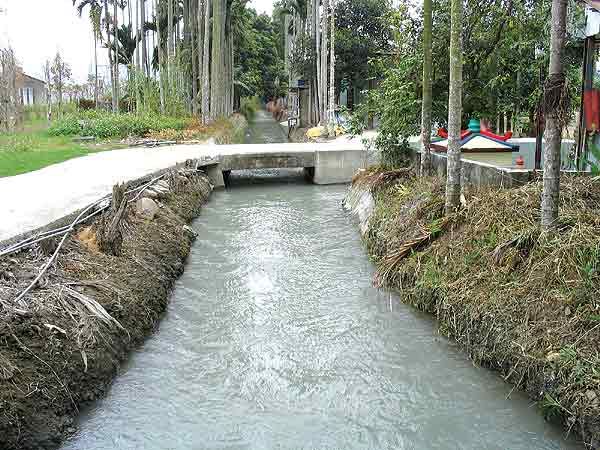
(276, 339)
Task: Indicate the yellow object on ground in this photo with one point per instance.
(316, 132)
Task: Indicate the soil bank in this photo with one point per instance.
(63, 343)
(519, 301)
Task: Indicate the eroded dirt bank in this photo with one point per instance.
(62, 344)
(519, 301)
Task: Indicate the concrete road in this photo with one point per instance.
(35, 199)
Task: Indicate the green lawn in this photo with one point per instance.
(34, 149)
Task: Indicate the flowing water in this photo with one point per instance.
(275, 338)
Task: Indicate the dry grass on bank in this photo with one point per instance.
(61, 345)
(223, 131)
(520, 301)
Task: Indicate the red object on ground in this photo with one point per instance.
(591, 109)
(520, 161)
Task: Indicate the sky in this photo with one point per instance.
(262, 6)
(37, 29)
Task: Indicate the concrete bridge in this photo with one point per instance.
(328, 163)
(34, 199)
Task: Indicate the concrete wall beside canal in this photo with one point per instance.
(479, 173)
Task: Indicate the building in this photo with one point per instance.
(32, 91)
(589, 123)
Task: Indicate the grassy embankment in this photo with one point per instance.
(522, 302)
(38, 145)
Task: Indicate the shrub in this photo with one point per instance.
(85, 104)
(396, 105)
(249, 106)
(105, 125)
(67, 126)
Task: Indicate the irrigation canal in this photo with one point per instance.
(276, 339)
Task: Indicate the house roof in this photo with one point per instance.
(33, 78)
(475, 142)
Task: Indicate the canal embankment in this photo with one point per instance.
(63, 342)
(518, 301)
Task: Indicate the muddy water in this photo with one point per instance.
(276, 339)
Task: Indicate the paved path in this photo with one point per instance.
(35, 199)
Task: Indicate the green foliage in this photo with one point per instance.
(67, 126)
(551, 409)
(249, 106)
(104, 125)
(506, 49)
(363, 32)
(398, 108)
(595, 162)
(260, 69)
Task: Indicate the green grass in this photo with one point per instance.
(32, 150)
(37, 145)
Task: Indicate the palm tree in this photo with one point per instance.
(206, 69)
(427, 88)
(95, 20)
(115, 100)
(332, 73)
(218, 83)
(454, 108)
(324, 58)
(159, 57)
(142, 15)
(553, 94)
(127, 44)
(170, 41)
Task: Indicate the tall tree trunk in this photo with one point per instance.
(187, 44)
(161, 62)
(200, 12)
(194, 49)
(286, 45)
(96, 87)
(138, 60)
(553, 94)
(324, 60)
(427, 88)
(231, 86)
(319, 80)
(144, 57)
(206, 68)
(116, 39)
(332, 123)
(228, 72)
(113, 85)
(170, 45)
(455, 109)
(48, 76)
(218, 82)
